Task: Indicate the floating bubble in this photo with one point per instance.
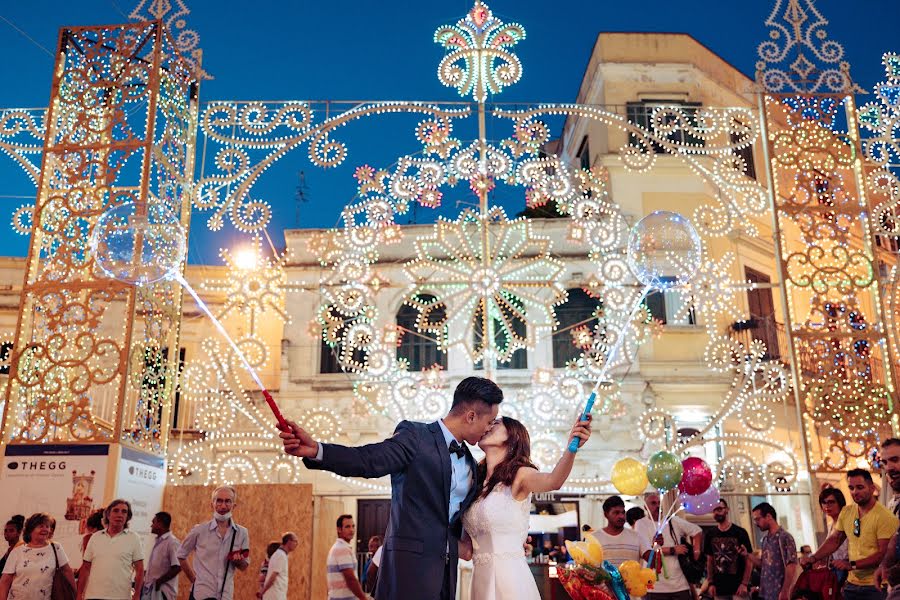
(138, 244)
(664, 250)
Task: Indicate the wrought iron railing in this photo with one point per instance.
(766, 330)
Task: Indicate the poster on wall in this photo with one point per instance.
(141, 481)
(65, 481)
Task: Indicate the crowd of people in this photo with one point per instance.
(115, 565)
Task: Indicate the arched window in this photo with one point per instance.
(518, 327)
(420, 348)
(330, 355)
(579, 311)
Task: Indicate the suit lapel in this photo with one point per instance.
(440, 445)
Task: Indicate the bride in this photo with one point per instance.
(496, 524)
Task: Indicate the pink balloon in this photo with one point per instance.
(700, 504)
(697, 476)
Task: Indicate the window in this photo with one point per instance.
(577, 312)
(746, 154)
(519, 358)
(420, 348)
(5, 356)
(584, 154)
(664, 306)
(641, 114)
(329, 356)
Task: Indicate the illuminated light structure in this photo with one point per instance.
(90, 361)
(826, 253)
(247, 138)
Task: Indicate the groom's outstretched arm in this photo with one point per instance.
(372, 460)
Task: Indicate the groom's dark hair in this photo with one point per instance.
(475, 389)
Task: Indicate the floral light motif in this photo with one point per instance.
(490, 273)
(479, 41)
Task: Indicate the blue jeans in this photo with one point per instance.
(862, 592)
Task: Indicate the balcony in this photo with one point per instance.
(766, 330)
(772, 333)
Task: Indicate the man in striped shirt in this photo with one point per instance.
(341, 564)
(620, 544)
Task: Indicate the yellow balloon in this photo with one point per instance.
(629, 477)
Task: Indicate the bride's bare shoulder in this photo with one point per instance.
(519, 487)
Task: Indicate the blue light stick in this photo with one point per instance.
(614, 351)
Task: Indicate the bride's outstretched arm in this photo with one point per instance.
(533, 481)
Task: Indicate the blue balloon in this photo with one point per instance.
(616, 581)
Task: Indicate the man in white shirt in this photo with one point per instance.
(161, 582)
(113, 555)
(220, 547)
(341, 564)
(276, 586)
(671, 583)
(619, 544)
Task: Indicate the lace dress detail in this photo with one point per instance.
(498, 526)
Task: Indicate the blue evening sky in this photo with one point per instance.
(356, 50)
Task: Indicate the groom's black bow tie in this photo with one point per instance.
(458, 449)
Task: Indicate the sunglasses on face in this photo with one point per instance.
(856, 526)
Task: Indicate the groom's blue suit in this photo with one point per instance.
(420, 547)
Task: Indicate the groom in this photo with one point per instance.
(433, 482)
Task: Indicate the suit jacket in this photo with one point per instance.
(420, 542)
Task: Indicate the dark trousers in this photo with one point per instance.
(862, 592)
(448, 588)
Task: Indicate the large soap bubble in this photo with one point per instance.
(664, 250)
(138, 244)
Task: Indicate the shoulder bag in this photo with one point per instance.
(693, 570)
(61, 589)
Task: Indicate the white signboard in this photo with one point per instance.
(65, 481)
(141, 481)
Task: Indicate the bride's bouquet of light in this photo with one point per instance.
(592, 578)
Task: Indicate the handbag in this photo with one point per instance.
(61, 588)
(693, 570)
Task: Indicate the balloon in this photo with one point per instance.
(700, 504)
(664, 250)
(138, 245)
(697, 476)
(664, 471)
(629, 477)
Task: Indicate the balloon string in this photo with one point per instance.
(620, 339)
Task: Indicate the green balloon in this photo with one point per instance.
(664, 471)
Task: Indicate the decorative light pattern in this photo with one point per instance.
(797, 29)
(90, 362)
(513, 275)
(173, 13)
(479, 41)
(486, 267)
(752, 460)
(845, 379)
(255, 287)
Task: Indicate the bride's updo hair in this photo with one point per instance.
(518, 454)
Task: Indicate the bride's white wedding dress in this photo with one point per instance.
(498, 526)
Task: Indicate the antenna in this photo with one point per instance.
(300, 196)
